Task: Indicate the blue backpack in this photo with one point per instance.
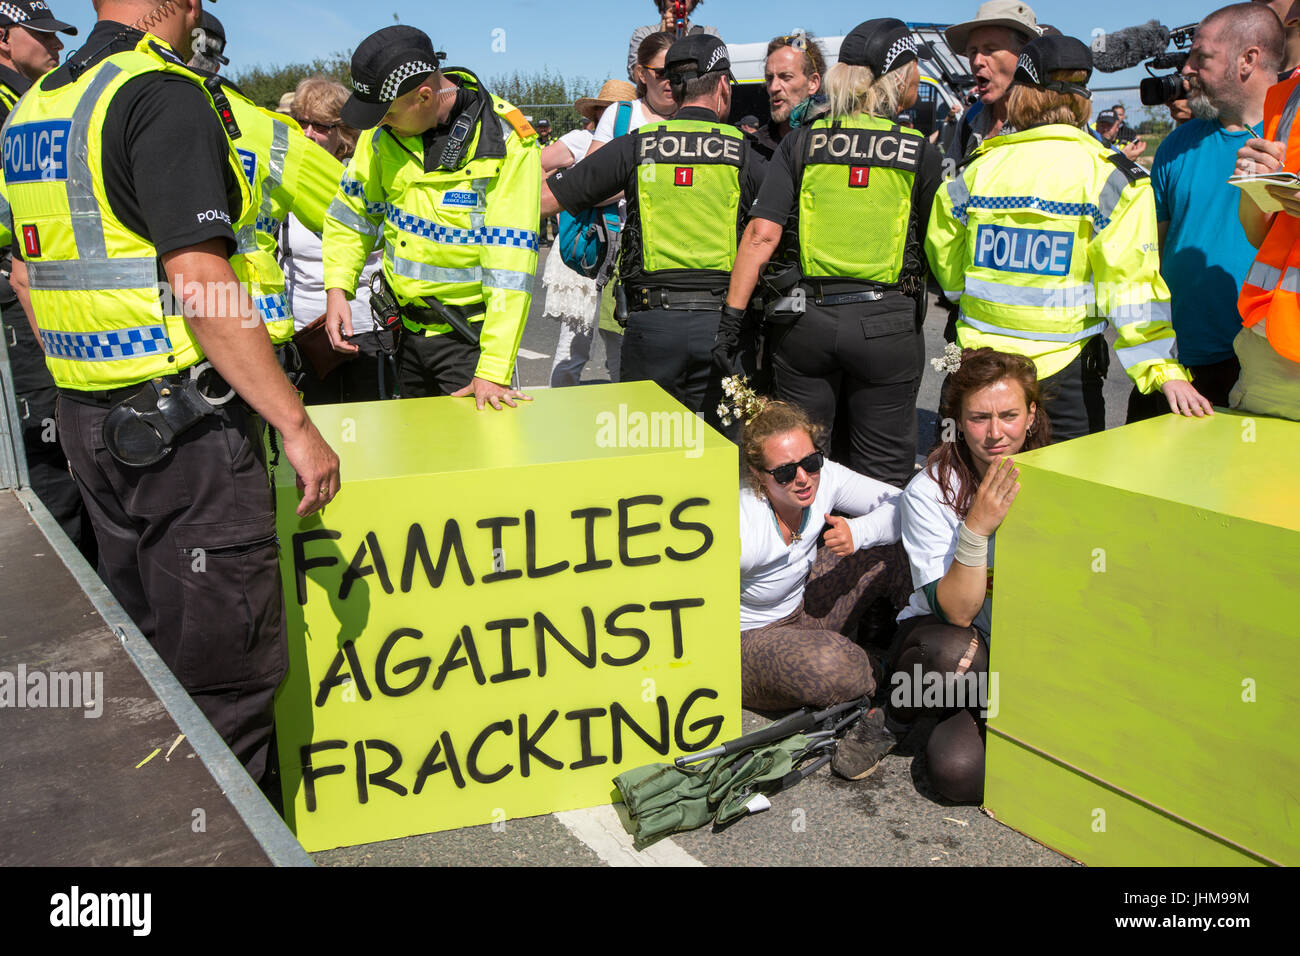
(589, 241)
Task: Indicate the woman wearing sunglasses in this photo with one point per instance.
(799, 607)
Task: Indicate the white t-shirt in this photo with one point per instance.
(773, 573)
(605, 125)
(304, 278)
(930, 537)
(577, 142)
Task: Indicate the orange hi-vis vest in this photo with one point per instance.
(1272, 288)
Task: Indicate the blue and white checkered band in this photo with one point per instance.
(14, 12)
(898, 48)
(719, 54)
(1026, 64)
(388, 92)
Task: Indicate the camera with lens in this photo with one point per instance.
(1157, 90)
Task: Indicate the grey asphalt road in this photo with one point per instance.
(891, 818)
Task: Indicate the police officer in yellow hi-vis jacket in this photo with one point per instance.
(293, 174)
(450, 183)
(854, 187)
(1046, 235)
(126, 197)
(688, 181)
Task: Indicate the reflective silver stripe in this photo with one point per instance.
(952, 295)
(1069, 297)
(1066, 337)
(5, 211)
(476, 219)
(1110, 194)
(349, 217)
(1159, 350)
(87, 222)
(1264, 275)
(508, 279)
(1290, 280)
(960, 197)
(1143, 312)
(1288, 116)
(246, 240)
(422, 272)
(279, 150)
(91, 275)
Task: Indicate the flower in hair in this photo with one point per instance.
(951, 360)
(741, 403)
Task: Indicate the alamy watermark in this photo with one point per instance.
(55, 689)
(637, 429)
(917, 689)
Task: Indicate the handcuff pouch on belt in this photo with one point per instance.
(782, 303)
(141, 430)
(389, 312)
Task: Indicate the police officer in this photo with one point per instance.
(1048, 232)
(29, 47)
(686, 181)
(293, 173)
(123, 184)
(450, 180)
(856, 189)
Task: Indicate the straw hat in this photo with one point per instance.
(614, 91)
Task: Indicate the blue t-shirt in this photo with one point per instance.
(1206, 255)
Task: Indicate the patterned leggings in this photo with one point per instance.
(806, 657)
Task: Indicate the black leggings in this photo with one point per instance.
(955, 752)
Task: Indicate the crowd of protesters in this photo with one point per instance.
(1043, 230)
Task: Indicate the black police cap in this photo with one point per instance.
(884, 44)
(1043, 56)
(387, 64)
(696, 55)
(34, 15)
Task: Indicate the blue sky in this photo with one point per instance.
(589, 38)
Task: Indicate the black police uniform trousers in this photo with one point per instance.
(673, 348)
(47, 466)
(188, 548)
(429, 365)
(868, 355)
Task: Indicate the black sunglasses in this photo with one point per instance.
(784, 474)
(322, 127)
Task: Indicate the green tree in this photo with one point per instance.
(544, 95)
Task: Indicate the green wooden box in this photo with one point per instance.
(1145, 644)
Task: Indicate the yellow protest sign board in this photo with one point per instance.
(501, 611)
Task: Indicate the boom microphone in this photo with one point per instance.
(1112, 52)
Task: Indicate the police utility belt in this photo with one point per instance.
(677, 300)
(825, 292)
(144, 420)
(388, 312)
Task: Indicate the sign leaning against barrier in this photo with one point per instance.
(501, 611)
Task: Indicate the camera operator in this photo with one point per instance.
(1204, 256)
(1291, 24)
(667, 24)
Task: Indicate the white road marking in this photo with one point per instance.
(530, 354)
(601, 829)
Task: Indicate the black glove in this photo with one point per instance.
(727, 344)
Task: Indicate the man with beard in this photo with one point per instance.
(1205, 256)
(793, 74)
